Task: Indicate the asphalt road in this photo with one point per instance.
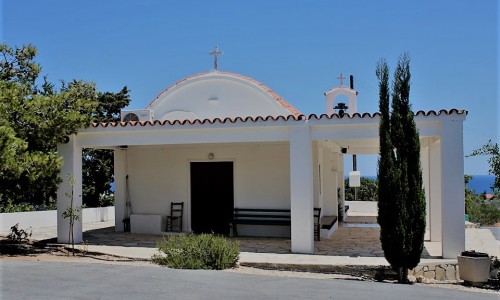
(55, 280)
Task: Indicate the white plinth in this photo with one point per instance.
(153, 224)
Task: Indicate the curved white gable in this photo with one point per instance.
(218, 95)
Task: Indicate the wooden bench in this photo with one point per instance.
(327, 222)
(267, 216)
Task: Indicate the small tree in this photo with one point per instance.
(401, 196)
(18, 234)
(72, 213)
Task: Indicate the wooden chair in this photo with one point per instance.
(174, 221)
(317, 223)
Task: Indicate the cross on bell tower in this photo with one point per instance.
(334, 105)
(341, 78)
(215, 53)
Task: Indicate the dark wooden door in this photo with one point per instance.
(212, 197)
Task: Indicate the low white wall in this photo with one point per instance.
(38, 219)
(368, 208)
(98, 214)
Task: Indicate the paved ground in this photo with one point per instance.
(350, 245)
(54, 280)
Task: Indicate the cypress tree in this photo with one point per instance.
(401, 196)
(389, 217)
(386, 169)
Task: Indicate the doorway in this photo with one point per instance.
(212, 197)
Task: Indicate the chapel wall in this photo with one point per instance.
(158, 176)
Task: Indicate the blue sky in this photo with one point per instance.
(297, 48)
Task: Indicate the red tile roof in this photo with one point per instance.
(368, 115)
(299, 117)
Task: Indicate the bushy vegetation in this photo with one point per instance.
(486, 213)
(481, 210)
(35, 116)
(10, 207)
(366, 192)
(204, 251)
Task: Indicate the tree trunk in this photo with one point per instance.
(72, 237)
(402, 275)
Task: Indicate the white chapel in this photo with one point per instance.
(220, 141)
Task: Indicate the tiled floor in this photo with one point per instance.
(352, 241)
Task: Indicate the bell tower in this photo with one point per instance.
(333, 106)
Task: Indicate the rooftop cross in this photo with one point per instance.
(215, 53)
(341, 78)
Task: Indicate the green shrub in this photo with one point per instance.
(7, 206)
(366, 192)
(204, 251)
(484, 213)
(106, 199)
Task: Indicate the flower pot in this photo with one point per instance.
(474, 267)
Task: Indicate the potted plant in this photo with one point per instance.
(474, 267)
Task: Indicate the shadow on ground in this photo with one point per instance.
(24, 248)
(346, 241)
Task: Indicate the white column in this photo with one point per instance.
(320, 170)
(435, 196)
(120, 166)
(452, 187)
(315, 163)
(72, 165)
(330, 183)
(424, 161)
(341, 186)
(301, 190)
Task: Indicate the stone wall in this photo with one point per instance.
(435, 272)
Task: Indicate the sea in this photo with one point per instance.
(481, 183)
